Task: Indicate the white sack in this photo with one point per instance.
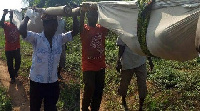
(17, 18)
(171, 30)
(197, 39)
(173, 37)
(36, 26)
(121, 17)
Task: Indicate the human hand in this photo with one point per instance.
(84, 6)
(76, 11)
(151, 66)
(150, 63)
(5, 11)
(87, 6)
(119, 66)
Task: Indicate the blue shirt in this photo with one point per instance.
(45, 59)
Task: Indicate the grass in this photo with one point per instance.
(171, 85)
(5, 101)
(70, 89)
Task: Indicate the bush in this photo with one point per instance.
(5, 102)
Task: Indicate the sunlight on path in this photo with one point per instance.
(16, 91)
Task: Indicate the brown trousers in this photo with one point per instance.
(126, 75)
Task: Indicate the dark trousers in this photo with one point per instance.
(93, 90)
(47, 91)
(10, 56)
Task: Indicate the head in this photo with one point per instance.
(50, 24)
(92, 17)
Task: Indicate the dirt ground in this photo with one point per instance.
(19, 91)
(16, 91)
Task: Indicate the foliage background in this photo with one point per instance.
(171, 85)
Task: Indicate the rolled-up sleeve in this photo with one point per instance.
(31, 37)
(66, 37)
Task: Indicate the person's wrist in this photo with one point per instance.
(118, 60)
(26, 18)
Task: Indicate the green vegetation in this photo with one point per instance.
(171, 85)
(142, 23)
(5, 102)
(70, 89)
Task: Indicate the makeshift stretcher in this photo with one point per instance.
(35, 24)
(170, 32)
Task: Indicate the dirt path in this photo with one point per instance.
(101, 106)
(16, 91)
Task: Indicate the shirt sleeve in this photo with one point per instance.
(66, 37)
(120, 42)
(31, 37)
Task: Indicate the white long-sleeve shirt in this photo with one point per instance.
(45, 59)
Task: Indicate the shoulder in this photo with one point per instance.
(101, 27)
(34, 34)
(6, 23)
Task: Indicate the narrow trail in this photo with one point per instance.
(16, 91)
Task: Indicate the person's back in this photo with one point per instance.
(131, 60)
(12, 45)
(93, 60)
(93, 47)
(129, 63)
(12, 41)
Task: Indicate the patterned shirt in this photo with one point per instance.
(12, 35)
(45, 59)
(93, 47)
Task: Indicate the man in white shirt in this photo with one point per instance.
(129, 63)
(46, 55)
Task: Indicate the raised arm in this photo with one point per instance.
(5, 11)
(120, 53)
(23, 27)
(75, 22)
(82, 18)
(150, 63)
(75, 13)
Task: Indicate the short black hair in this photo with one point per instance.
(48, 21)
(92, 13)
